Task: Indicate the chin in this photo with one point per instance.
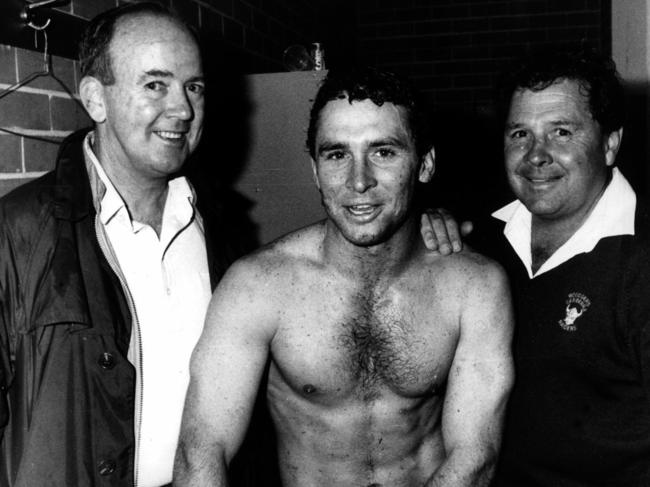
(362, 238)
(540, 208)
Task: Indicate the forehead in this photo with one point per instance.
(341, 119)
(143, 39)
(563, 100)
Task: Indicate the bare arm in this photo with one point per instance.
(480, 380)
(225, 373)
(441, 233)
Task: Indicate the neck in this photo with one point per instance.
(373, 262)
(549, 234)
(143, 196)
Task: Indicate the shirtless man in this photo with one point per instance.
(388, 365)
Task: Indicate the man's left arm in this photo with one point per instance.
(479, 382)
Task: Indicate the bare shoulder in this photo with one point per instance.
(485, 305)
(281, 259)
(470, 270)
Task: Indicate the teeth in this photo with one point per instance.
(170, 135)
(361, 209)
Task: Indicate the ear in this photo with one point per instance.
(428, 166)
(612, 144)
(92, 94)
(314, 172)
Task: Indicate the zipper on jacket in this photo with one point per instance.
(106, 249)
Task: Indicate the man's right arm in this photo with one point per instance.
(225, 372)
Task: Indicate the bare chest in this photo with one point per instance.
(366, 344)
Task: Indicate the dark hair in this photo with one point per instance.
(380, 87)
(596, 75)
(94, 55)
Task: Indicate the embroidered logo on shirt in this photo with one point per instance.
(576, 305)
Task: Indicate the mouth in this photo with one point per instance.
(363, 212)
(541, 182)
(172, 137)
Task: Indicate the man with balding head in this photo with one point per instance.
(104, 272)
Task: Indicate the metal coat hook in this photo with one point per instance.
(28, 13)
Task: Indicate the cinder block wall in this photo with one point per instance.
(453, 49)
(258, 30)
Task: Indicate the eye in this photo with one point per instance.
(196, 88)
(562, 132)
(155, 86)
(335, 155)
(518, 134)
(385, 152)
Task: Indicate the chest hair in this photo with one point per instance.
(377, 342)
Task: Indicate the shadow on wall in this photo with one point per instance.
(215, 167)
(470, 178)
(221, 156)
(634, 155)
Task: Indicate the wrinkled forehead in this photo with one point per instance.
(565, 93)
(344, 114)
(564, 99)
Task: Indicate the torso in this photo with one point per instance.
(359, 367)
(579, 393)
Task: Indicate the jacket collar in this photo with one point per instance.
(72, 195)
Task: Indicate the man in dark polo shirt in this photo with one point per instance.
(576, 248)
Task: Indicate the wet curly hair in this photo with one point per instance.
(380, 87)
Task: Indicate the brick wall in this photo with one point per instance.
(252, 32)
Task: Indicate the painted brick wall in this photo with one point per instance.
(254, 32)
(455, 48)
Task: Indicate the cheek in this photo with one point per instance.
(327, 190)
(402, 187)
(199, 111)
(331, 179)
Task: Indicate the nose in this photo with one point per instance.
(361, 176)
(179, 105)
(538, 154)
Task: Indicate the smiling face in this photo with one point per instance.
(366, 168)
(150, 119)
(555, 153)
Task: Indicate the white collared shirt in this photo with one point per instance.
(613, 215)
(169, 280)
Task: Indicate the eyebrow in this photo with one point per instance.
(394, 141)
(389, 141)
(328, 146)
(515, 125)
(162, 73)
(157, 73)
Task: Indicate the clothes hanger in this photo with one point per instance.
(27, 16)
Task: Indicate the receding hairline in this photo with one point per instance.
(135, 19)
(123, 22)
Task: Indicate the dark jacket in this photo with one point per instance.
(67, 388)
